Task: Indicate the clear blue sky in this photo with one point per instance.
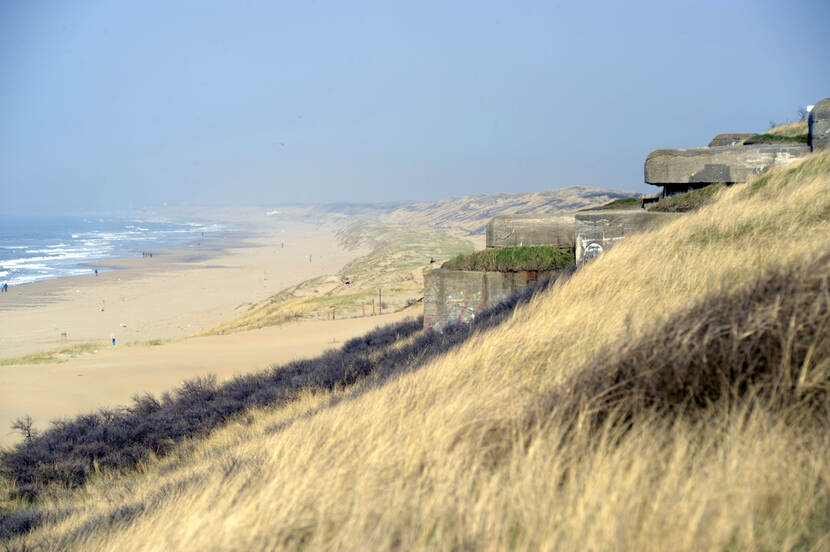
(112, 105)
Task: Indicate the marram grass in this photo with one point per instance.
(442, 458)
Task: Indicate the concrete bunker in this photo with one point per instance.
(457, 296)
(733, 158)
(683, 170)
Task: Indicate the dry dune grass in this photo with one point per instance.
(789, 129)
(394, 265)
(442, 458)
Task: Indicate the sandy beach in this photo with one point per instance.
(171, 296)
(176, 293)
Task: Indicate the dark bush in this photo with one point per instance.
(19, 521)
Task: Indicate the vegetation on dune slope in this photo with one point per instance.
(477, 450)
(514, 259)
(394, 265)
(788, 133)
(61, 354)
(770, 339)
(796, 128)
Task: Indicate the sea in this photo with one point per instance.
(34, 248)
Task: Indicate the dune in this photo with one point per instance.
(547, 431)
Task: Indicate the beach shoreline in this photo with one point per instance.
(154, 307)
(132, 266)
(175, 293)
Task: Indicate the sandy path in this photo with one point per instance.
(113, 375)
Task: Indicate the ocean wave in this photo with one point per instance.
(29, 262)
(36, 255)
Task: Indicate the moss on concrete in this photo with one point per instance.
(514, 259)
(624, 203)
(776, 139)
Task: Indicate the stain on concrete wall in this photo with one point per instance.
(456, 296)
(819, 125)
(597, 231)
(517, 230)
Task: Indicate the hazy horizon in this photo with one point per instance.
(115, 107)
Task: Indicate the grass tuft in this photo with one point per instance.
(62, 354)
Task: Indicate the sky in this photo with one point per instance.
(112, 105)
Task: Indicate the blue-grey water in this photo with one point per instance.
(36, 248)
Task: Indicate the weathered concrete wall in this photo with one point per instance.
(596, 231)
(454, 296)
(819, 124)
(518, 230)
(716, 164)
(732, 139)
